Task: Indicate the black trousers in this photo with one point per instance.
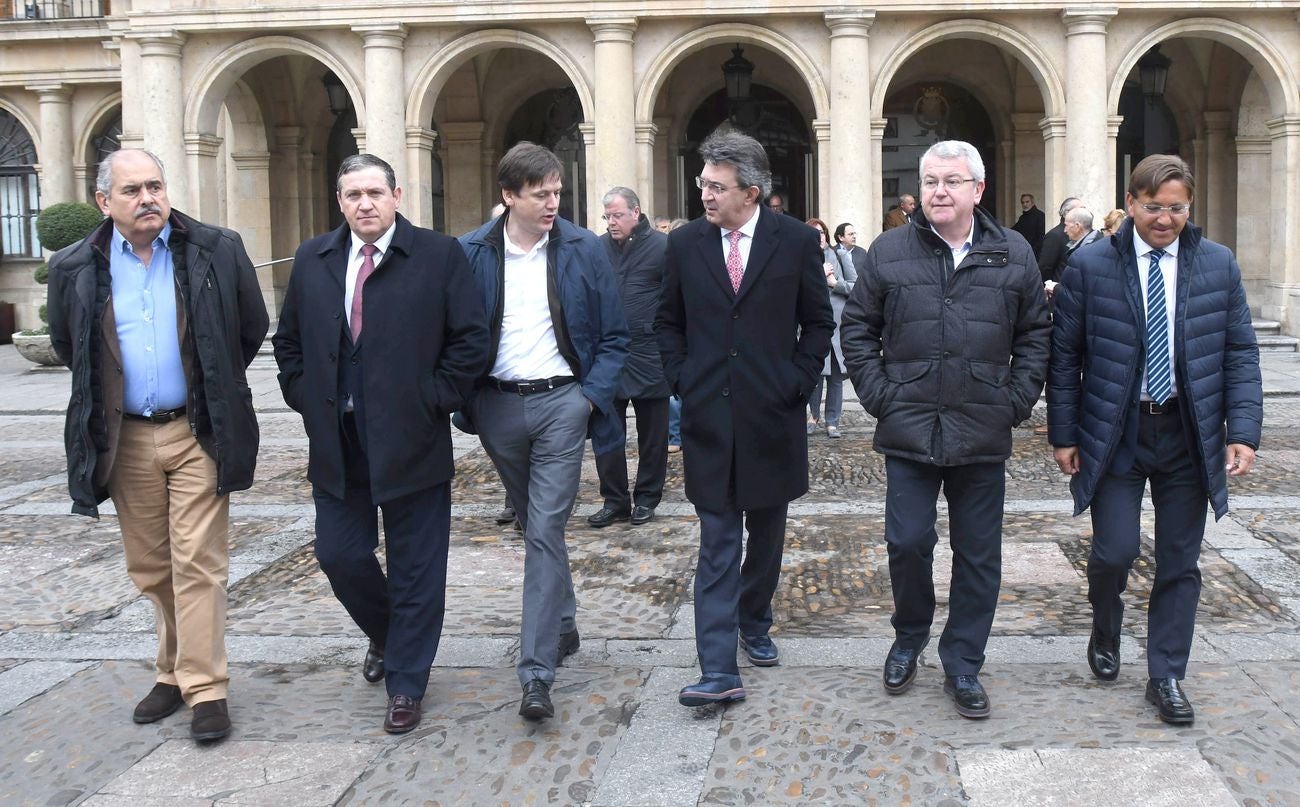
(975, 495)
(1163, 456)
(731, 598)
(652, 461)
(403, 611)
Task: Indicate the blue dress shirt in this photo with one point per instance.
(144, 306)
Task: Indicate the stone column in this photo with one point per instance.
(1284, 264)
(852, 166)
(250, 215)
(1008, 199)
(201, 152)
(132, 104)
(594, 191)
(1254, 224)
(417, 196)
(462, 175)
(1085, 110)
(56, 158)
(163, 109)
(666, 181)
(1118, 184)
(286, 203)
(645, 166)
(872, 218)
(1055, 167)
(1029, 175)
(1214, 186)
(385, 123)
(613, 161)
(822, 207)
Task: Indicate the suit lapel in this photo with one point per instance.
(710, 247)
(761, 251)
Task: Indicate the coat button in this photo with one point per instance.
(329, 400)
(356, 360)
(947, 301)
(734, 352)
(336, 315)
(726, 392)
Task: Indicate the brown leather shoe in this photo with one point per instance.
(403, 714)
(161, 701)
(211, 721)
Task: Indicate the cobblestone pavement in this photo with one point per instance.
(76, 645)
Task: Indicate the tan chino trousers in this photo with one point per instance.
(174, 530)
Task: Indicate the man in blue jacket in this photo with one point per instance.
(557, 346)
(1154, 376)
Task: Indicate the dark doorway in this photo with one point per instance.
(777, 124)
(342, 144)
(1148, 128)
(550, 118)
(918, 116)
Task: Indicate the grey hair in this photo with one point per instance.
(360, 162)
(1080, 215)
(617, 191)
(952, 149)
(744, 153)
(104, 178)
(1070, 202)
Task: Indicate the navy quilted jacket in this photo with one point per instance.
(1098, 349)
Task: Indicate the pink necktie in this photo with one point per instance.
(735, 270)
(367, 268)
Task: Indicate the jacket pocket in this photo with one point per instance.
(993, 385)
(898, 373)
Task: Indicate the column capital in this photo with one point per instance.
(1087, 19)
(588, 131)
(821, 129)
(612, 29)
(462, 131)
(1113, 123)
(162, 42)
(1218, 120)
(421, 138)
(288, 137)
(878, 128)
(1053, 126)
(1283, 126)
(381, 34)
(1254, 145)
(359, 134)
(645, 133)
(203, 145)
(250, 160)
(850, 23)
(51, 92)
(1023, 122)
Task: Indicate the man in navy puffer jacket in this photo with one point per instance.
(1154, 375)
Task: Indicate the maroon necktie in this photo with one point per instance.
(735, 269)
(367, 269)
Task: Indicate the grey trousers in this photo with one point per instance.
(536, 443)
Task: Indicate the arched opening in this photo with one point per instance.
(106, 140)
(20, 196)
(551, 118)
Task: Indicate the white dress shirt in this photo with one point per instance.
(1169, 271)
(528, 349)
(354, 264)
(960, 252)
(747, 241)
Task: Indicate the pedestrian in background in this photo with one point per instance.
(840, 276)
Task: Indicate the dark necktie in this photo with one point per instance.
(1159, 378)
(367, 268)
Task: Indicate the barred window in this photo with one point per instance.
(20, 196)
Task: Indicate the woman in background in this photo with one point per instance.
(840, 277)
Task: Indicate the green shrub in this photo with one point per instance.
(42, 274)
(44, 313)
(66, 223)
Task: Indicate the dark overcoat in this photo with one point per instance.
(639, 274)
(1099, 347)
(424, 343)
(744, 363)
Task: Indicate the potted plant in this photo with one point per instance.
(57, 226)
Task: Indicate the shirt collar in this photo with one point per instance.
(967, 243)
(123, 247)
(514, 249)
(381, 243)
(1143, 248)
(747, 229)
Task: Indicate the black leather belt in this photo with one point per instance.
(1152, 408)
(158, 416)
(530, 386)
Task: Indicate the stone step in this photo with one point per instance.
(1277, 343)
(1263, 326)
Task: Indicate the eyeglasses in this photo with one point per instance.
(951, 183)
(1173, 210)
(713, 187)
(616, 216)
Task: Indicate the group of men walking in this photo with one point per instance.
(537, 335)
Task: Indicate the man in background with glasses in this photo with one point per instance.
(744, 327)
(945, 337)
(1154, 378)
(636, 251)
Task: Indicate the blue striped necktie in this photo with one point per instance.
(1159, 379)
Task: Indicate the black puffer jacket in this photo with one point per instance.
(226, 320)
(948, 361)
(1098, 350)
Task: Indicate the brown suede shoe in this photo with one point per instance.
(211, 721)
(161, 701)
(403, 714)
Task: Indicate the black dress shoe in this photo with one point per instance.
(900, 669)
(642, 515)
(1103, 656)
(536, 703)
(506, 515)
(569, 644)
(606, 516)
(969, 696)
(372, 669)
(211, 721)
(1167, 695)
(403, 714)
(760, 650)
(161, 701)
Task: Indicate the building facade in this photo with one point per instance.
(252, 106)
